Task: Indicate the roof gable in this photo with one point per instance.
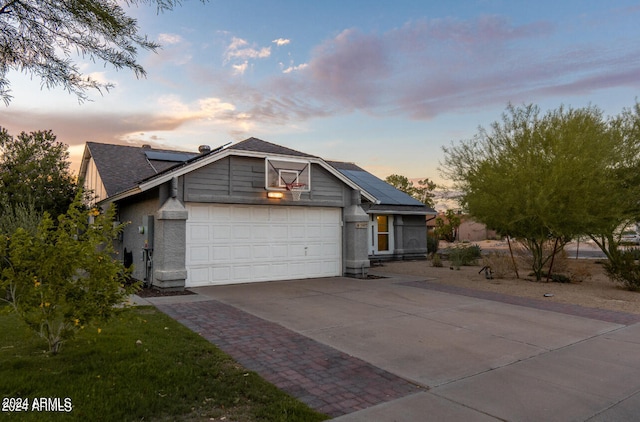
(121, 167)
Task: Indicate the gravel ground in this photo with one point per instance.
(589, 284)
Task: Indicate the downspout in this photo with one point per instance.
(174, 187)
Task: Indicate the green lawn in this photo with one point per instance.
(173, 374)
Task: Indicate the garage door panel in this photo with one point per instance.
(297, 214)
(313, 251)
(241, 243)
(261, 252)
(220, 253)
(241, 231)
(200, 253)
(221, 214)
(199, 276)
(314, 231)
(279, 252)
(220, 273)
(260, 214)
(241, 272)
(278, 233)
(241, 253)
(261, 232)
(199, 213)
(297, 233)
(241, 213)
(329, 250)
(278, 214)
(296, 251)
(329, 218)
(280, 270)
(199, 232)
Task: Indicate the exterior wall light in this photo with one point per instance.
(275, 195)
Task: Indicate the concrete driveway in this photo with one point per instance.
(468, 358)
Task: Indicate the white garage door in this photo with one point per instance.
(238, 244)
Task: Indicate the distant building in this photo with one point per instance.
(472, 231)
(469, 230)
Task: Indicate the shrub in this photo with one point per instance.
(63, 277)
(436, 262)
(626, 270)
(500, 263)
(634, 252)
(432, 244)
(465, 255)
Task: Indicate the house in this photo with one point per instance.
(473, 231)
(248, 212)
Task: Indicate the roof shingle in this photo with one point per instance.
(122, 166)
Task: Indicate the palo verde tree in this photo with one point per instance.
(423, 191)
(41, 38)
(536, 177)
(34, 173)
(63, 277)
(618, 202)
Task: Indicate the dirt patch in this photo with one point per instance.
(589, 285)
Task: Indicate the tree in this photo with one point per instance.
(621, 187)
(448, 230)
(38, 37)
(401, 183)
(423, 192)
(63, 277)
(34, 171)
(538, 178)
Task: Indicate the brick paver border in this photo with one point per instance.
(324, 378)
(616, 317)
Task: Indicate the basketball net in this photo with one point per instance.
(296, 190)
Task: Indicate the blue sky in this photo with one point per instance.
(384, 84)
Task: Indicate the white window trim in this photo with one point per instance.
(373, 235)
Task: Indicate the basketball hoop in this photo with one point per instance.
(295, 189)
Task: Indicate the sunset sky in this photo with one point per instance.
(384, 84)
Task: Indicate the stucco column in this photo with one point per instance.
(169, 270)
(356, 255)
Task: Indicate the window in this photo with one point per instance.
(381, 234)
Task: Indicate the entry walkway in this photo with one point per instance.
(399, 349)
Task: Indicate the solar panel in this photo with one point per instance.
(384, 192)
(173, 156)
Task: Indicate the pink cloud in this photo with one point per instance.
(422, 69)
(426, 68)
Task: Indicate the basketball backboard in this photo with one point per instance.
(281, 174)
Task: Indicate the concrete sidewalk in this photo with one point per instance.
(336, 343)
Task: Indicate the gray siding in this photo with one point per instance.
(131, 213)
(414, 237)
(241, 180)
